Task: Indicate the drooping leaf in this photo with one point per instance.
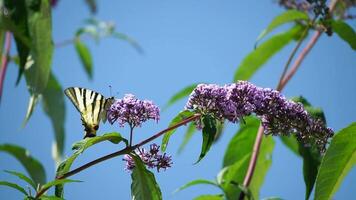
(30, 108)
(129, 40)
(339, 159)
(33, 167)
(196, 182)
(345, 32)
(253, 61)
(16, 22)
(210, 197)
(181, 116)
(79, 148)
(285, 17)
(54, 107)
(181, 94)
(187, 136)
(240, 146)
(23, 177)
(13, 185)
(39, 23)
(144, 185)
(209, 132)
(85, 57)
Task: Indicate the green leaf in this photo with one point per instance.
(44, 197)
(16, 22)
(210, 197)
(85, 57)
(23, 177)
(33, 167)
(30, 108)
(285, 17)
(339, 158)
(253, 61)
(272, 198)
(232, 177)
(54, 107)
(79, 148)
(291, 143)
(59, 182)
(181, 94)
(144, 185)
(209, 132)
(40, 31)
(196, 182)
(180, 117)
(345, 32)
(129, 40)
(13, 185)
(187, 136)
(240, 146)
(92, 5)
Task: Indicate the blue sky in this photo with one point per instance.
(184, 42)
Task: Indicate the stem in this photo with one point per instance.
(283, 81)
(4, 61)
(126, 150)
(131, 131)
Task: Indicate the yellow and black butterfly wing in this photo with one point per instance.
(91, 105)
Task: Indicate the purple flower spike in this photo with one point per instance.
(279, 115)
(132, 111)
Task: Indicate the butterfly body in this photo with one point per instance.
(92, 107)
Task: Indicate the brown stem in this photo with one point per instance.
(126, 150)
(283, 81)
(4, 60)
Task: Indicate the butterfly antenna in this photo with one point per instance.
(110, 90)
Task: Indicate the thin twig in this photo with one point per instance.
(4, 60)
(126, 150)
(285, 79)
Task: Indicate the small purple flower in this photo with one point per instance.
(132, 111)
(152, 158)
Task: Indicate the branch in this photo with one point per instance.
(126, 150)
(4, 60)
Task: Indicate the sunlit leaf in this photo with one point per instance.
(345, 32)
(253, 61)
(14, 186)
(181, 116)
(79, 148)
(144, 185)
(85, 57)
(30, 108)
(285, 17)
(23, 177)
(54, 107)
(210, 197)
(209, 132)
(33, 167)
(196, 182)
(181, 94)
(40, 31)
(339, 159)
(187, 136)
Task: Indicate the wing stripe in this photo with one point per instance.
(94, 104)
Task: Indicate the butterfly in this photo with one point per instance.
(92, 107)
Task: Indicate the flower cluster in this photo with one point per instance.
(132, 111)
(151, 158)
(278, 114)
